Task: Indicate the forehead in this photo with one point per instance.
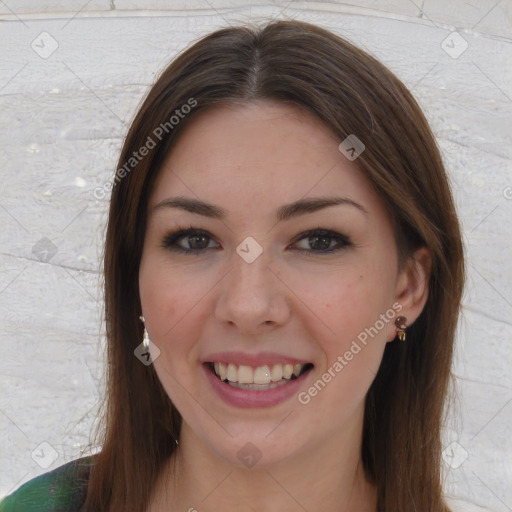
(259, 153)
(238, 125)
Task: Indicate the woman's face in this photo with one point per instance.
(272, 277)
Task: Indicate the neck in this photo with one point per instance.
(327, 477)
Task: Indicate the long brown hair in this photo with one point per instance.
(352, 93)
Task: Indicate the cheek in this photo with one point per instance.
(173, 301)
(165, 303)
(355, 310)
(168, 295)
(163, 306)
(158, 297)
(349, 302)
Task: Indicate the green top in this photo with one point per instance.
(62, 490)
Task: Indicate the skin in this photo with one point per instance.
(304, 304)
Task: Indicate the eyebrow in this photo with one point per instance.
(285, 212)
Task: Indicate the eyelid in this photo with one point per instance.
(343, 240)
(170, 240)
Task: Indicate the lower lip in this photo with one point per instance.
(250, 398)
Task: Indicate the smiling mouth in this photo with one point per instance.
(260, 378)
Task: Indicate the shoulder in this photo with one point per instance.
(64, 490)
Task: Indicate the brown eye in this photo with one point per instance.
(188, 241)
(322, 241)
(198, 241)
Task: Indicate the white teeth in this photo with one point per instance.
(261, 375)
(232, 374)
(259, 387)
(277, 372)
(287, 371)
(223, 371)
(244, 374)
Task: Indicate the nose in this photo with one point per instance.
(252, 298)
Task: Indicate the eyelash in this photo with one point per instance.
(170, 240)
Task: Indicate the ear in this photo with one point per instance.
(411, 290)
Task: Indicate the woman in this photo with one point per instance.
(283, 275)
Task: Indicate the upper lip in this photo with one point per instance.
(255, 360)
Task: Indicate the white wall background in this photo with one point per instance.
(64, 115)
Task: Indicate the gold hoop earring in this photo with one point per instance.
(401, 327)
